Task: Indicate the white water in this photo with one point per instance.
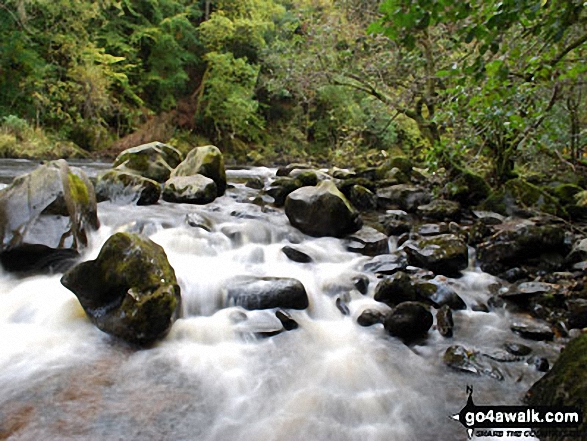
(211, 378)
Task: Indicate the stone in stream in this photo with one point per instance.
(196, 189)
(361, 282)
(445, 254)
(362, 198)
(517, 349)
(409, 321)
(533, 331)
(444, 321)
(322, 211)
(440, 209)
(207, 161)
(387, 264)
(129, 291)
(370, 317)
(281, 188)
(153, 161)
(252, 292)
(462, 359)
(439, 294)
(46, 217)
(395, 289)
(296, 255)
(395, 222)
(367, 241)
(404, 196)
(120, 186)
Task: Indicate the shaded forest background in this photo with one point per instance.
(497, 87)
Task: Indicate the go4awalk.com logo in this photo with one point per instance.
(518, 421)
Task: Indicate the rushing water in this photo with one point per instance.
(212, 377)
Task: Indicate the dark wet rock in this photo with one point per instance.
(196, 220)
(409, 321)
(521, 293)
(578, 253)
(440, 209)
(463, 359)
(322, 211)
(281, 188)
(577, 313)
(296, 255)
(402, 163)
(501, 355)
(255, 183)
(46, 217)
(444, 321)
(432, 229)
(289, 324)
(540, 363)
(367, 241)
(517, 349)
(346, 185)
(519, 242)
(153, 161)
(480, 307)
(467, 188)
(404, 196)
(196, 189)
(439, 294)
(370, 317)
(266, 292)
(521, 198)
(207, 161)
(342, 306)
(477, 233)
(514, 274)
(287, 169)
(124, 187)
(395, 222)
(129, 291)
(361, 283)
(339, 173)
(489, 217)
(395, 289)
(362, 198)
(445, 254)
(533, 331)
(565, 384)
(306, 177)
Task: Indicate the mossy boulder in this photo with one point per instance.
(207, 161)
(322, 211)
(280, 188)
(124, 187)
(152, 161)
(565, 384)
(517, 243)
(46, 215)
(130, 291)
(396, 289)
(196, 189)
(440, 209)
(409, 321)
(362, 198)
(444, 254)
(404, 196)
(519, 197)
(467, 187)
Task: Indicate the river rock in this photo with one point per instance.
(565, 384)
(196, 189)
(197, 220)
(445, 254)
(123, 187)
(440, 209)
(406, 197)
(577, 313)
(153, 161)
(281, 188)
(296, 255)
(129, 291)
(395, 289)
(367, 241)
(207, 161)
(370, 317)
(533, 331)
(266, 292)
(432, 229)
(519, 242)
(517, 349)
(409, 321)
(395, 222)
(322, 211)
(462, 359)
(362, 198)
(444, 321)
(46, 217)
(578, 253)
(439, 294)
(387, 264)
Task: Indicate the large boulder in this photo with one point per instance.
(517, 243)
(281, 188)
(46, 216)
(152, 161)
(207, 161)
(252, 293)
(409, 321)
(445, 254)
(395, 289)
(124, 187)
(130, 291)
(404, 196)
(565, 384)
(196, 189)
(322, 211)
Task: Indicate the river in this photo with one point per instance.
(213, 378)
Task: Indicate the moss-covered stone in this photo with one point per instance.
(196, 189)
(467, 187)
(120, 186)
(445, 254)
(440, 209)
(281, 187)
(130, 291)
(565, 384)
(152, 161)
(207, 161)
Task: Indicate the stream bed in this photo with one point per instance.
(218, 375)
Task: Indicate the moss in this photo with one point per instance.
(566, 193)
(79, 191)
